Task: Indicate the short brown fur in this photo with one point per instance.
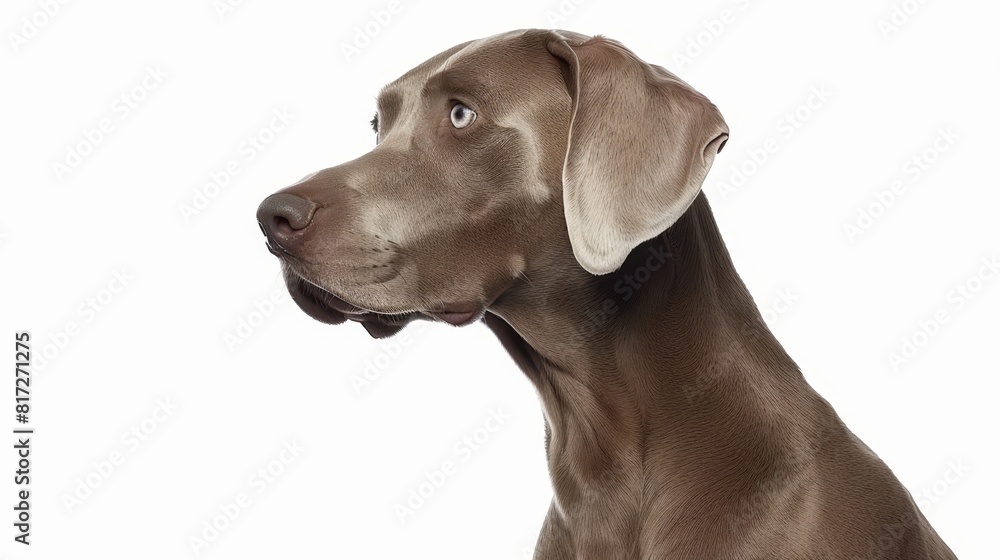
(677, 427)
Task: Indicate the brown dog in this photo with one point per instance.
(549, 184)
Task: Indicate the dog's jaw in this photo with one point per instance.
(327, 307)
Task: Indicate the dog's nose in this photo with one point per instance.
(283, 216)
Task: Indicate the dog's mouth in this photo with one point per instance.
(326, 307)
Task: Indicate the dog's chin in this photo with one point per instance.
(326, 307)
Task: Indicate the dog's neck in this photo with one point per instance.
(666, 362)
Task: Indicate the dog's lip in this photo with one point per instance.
(327, 307)
(459, 315)
(317, 302)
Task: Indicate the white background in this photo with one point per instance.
(193, 279)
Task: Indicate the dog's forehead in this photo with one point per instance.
(488, 49)
(480, 58)
(393, 91)
(415, 78)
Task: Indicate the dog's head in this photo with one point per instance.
(492, 157)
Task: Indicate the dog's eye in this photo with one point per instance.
(462, 116)
(374, 123)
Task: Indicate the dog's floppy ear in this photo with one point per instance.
(640, 144)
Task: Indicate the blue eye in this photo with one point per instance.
(462, 116)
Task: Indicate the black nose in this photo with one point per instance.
(283, 217)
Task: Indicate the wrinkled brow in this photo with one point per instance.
(389, 102)
(455, 80)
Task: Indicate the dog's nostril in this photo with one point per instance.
(283, 227)
(262, 230)
(281, 215)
